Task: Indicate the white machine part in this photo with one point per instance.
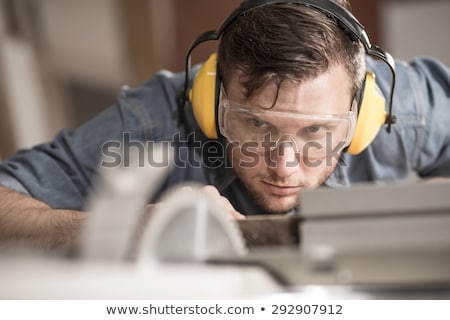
(190, 226)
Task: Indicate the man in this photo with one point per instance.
(288, 98)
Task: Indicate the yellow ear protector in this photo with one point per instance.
(204, 95)
(204, 91)
(371, 115)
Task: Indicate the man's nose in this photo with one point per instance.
(285, 158)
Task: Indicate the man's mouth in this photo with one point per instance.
(281, 190)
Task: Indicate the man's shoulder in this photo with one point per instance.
(172, 83)
(164, 83)
(152, 106)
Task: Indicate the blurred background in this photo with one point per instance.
(63, 61)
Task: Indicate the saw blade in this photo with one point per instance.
(190, 226)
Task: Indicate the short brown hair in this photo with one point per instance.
(287, 42)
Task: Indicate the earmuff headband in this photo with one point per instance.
(354, 28)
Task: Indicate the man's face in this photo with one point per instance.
(288, 162)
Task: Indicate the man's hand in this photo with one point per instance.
(211, 192)
(215, 195)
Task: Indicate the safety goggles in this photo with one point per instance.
(262, 131)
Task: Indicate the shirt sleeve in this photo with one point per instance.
(60, 172)
(419, 143)
(432, 84)
(11, 183)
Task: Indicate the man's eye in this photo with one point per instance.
(312, 129)
(255, 123)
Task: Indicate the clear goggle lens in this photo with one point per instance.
(262, 131)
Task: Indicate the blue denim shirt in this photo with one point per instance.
(60, 172)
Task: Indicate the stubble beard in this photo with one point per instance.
(267, 203)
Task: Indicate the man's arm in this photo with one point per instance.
(31, 222)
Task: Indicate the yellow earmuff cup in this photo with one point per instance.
(371, 116)
(203, 97)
